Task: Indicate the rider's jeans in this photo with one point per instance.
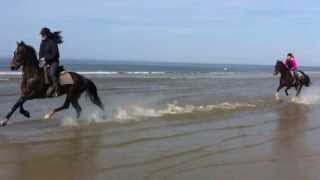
(53, 72)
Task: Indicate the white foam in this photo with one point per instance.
(97, 72)
(4, 79)
(11, 73)
(115, 72)
(16, 73)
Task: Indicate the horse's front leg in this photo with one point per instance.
(277, 93)
(27, 87)
(286, 91)
(13, 109)
(22, 110)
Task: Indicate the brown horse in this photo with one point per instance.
(33, 84)
(286, 79)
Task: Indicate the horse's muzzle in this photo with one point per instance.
(14, 68)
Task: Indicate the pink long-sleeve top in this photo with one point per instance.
(291, 64)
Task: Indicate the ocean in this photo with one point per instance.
(165, 121)
(140, 67)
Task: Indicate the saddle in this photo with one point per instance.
(65, 77)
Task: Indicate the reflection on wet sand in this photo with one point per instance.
(65, 159)
(291, 146)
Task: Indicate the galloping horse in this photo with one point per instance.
(286, 79)
(33, 84)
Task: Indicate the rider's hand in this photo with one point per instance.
(43, 59)
(42, 62)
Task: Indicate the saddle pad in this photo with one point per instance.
(300, 75)
(65, 78)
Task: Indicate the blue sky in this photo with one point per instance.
(214, 31)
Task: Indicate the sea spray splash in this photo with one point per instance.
(69, 121)
(87, 117)
(309, 96)
(138, 113)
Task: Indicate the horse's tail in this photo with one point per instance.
(307, 80)
(92, 92)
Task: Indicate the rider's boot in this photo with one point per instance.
(294, 78)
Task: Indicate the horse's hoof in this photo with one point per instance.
(277, 97)
(3, 123)
(48, 115)
(294, 99)
(26, 114)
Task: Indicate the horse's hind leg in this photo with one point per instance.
(24, 112)
(299, 90)
(77, 107)
(286, 91)
(65, 105)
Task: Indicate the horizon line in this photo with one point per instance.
(160, 62)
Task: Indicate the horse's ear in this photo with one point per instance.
(22, 43)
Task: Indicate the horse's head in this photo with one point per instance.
(19, 56)
(23, 55)
(278, 68)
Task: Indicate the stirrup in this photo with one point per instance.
(55, 94)
(56, 91)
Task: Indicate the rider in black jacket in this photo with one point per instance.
(49, 55)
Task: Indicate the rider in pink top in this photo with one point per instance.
(291, 63)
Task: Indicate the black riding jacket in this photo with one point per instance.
(49, 50)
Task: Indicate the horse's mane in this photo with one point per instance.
(33, 55)
(281, 63)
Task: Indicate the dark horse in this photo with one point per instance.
(33, 84)
(286, 79)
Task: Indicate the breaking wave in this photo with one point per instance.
(164, 74)
(4, 79)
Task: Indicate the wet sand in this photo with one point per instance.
(278, 142)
